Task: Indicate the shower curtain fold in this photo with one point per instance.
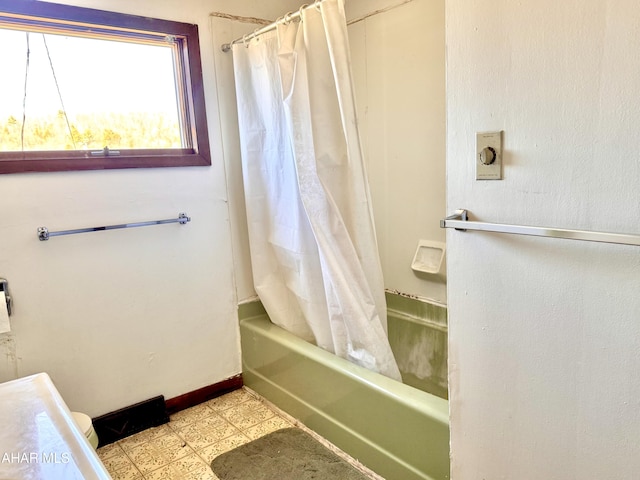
(312, 239)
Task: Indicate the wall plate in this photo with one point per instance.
(489, 156)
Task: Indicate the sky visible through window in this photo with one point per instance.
(115, 94)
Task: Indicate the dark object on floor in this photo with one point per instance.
(117, 425)
(287, 454)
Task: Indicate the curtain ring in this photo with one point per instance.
(316, 4)
(287, 18)
(302, 8)
(244, 41)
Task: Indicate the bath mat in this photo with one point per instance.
(286, 454)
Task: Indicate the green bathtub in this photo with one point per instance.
(398, 431)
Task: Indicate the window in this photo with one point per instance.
(85, 89)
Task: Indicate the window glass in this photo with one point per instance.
(61, 110)
(107, 96)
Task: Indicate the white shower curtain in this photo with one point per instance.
(313, 247)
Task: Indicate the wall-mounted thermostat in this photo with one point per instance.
(489, 156)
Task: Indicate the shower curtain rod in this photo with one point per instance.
(286, 19)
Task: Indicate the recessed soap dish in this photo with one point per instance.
(428, 257)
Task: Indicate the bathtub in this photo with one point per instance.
(398, 431)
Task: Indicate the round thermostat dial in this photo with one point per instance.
(487, 156)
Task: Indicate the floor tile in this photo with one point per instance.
(247, 415)
(129, 473)
(118, 463)
(268, 426)
(109, 450)
(229, 400)
(144, 437)
(186, 468)
(206, 432)
(218, 448)
(158, 452)
(190, 415)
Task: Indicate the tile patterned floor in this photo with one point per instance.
(184, 448)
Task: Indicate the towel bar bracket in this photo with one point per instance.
(461, 215)
(4, 287)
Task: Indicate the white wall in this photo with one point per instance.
(543, 333)
(117, 317)
(398, 64)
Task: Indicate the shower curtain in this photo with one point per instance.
(313, 247)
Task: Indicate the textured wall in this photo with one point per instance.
(398, 65)
(543, 333)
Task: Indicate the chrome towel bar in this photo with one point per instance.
(44, 233)
(459, 221)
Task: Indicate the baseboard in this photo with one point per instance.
(201, 395)
(122, 423)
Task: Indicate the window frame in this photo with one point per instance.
(87, 21)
